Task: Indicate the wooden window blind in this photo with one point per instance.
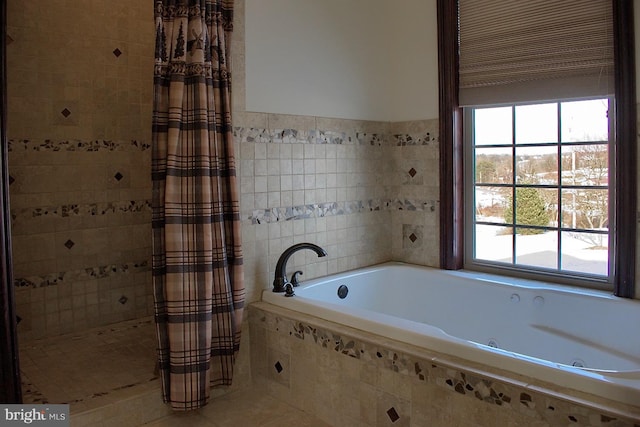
(534, 50)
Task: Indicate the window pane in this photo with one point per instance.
(494, 166)
(537, 165)
(585, 165)
(537, 248)
(536, 123)
(570, 210)
(493, 126)
(540, 202)
(530, 208)
(585, 209)
(493, 243)
(585, 120)
(585, 252)
(491, 203)
(550, 198)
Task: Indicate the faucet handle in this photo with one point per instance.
(294, 278)
(288, 290)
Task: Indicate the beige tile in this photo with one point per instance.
(252, 407)
(286, 121)
(297, 419)
(75, 357)
(186, 420)
(250, 120)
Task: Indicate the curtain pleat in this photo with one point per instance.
(197, 253)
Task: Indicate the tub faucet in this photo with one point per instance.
(280, 279)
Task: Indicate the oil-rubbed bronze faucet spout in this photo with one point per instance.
(280, 279)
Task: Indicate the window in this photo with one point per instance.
(617, 185)
(538, 176)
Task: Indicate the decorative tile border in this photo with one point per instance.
(315, 136)
(319, 210)
(491, 391)
(89, 209)
(90, 273)
(414, 139)
(255, 135)
(375, 139)
(289, 136)
(412, 205)
(22, 145)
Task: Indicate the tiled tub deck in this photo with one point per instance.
(349, 377)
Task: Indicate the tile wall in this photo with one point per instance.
(365, 191)
(80, 92)
(79, 129)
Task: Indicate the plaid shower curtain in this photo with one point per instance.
(197, 254)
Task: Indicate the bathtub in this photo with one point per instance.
(563, 336)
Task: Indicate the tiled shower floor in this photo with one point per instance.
(91, 368)
(107, 376)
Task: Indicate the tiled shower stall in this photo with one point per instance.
(79, 95)
(79, 129)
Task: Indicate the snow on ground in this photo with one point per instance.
(541, 250)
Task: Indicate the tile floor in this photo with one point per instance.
(89, 368)
(247, 408)
(106, 372)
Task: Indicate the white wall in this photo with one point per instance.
(355, 59)
(415, 60)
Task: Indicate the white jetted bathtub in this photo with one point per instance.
(565, 336)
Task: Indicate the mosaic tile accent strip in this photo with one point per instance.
(413, 205)
(90, 209)
(314, 136)
(409, 139)
(491, 391)
(99, 272)
(285, 136)
(374, 139)
(328, 137)
(289, 136)
(265, 216)
(266, 136)
(20, 145)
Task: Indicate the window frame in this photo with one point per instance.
(524, 270)
(624, 154)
